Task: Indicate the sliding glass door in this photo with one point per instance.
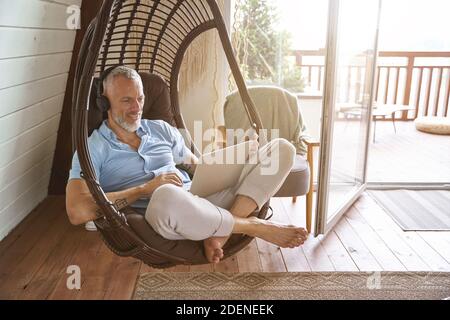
(350, 66)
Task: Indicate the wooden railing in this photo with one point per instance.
(312, 73)
(418, 79)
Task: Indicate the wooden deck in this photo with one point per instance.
(35, 256)
(408, 156)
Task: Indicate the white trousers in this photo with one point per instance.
(177, 214)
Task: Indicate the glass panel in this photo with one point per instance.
(357, 26)
(270, 38)
(414, 42)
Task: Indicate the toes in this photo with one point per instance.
(297, 242)
(303, 235)
(213, 251)
(217, 255)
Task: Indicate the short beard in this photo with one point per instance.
(124, 125)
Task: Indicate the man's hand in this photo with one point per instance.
(190, 163)
(164, 178)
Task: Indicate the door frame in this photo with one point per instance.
(322, 225)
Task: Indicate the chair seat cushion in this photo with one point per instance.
(297, 182)
(436, 125)
(191, 251)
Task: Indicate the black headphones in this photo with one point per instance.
(103, 103)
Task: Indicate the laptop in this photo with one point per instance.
(219, 169)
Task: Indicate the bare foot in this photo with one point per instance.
(285, 236)
(213, 249)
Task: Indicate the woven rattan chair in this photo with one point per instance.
(150, 36)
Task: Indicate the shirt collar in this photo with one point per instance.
(141, 131)
(106, 131)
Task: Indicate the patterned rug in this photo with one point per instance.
(292, 286)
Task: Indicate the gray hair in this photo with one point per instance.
(121, 71)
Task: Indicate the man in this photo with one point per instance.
(135, 160)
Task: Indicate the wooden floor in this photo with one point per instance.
(34, 257)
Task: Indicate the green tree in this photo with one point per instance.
(261, 50)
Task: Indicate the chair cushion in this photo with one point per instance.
(191, 251)
(157, 104)
(297, 182)
(436, 125)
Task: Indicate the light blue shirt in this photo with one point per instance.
(119, 167)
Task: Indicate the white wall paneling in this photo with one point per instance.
(35, 55)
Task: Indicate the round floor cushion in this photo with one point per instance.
(436, 125)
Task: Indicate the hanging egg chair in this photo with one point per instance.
(150, 36)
